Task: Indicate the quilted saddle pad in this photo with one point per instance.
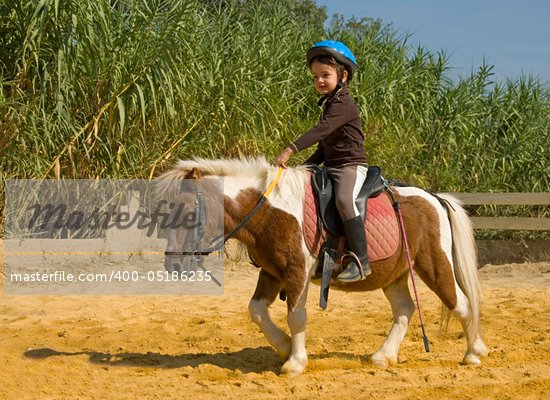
(381, 226)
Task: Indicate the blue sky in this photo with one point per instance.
(512, 35)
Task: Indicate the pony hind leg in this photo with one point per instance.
(456, 303)
(267, 290)
(402, 309)
(462, 303)
(464, 308)
(465, 280)
(475, 345)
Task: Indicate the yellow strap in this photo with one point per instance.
(274, 183)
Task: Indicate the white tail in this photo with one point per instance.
(464, 260)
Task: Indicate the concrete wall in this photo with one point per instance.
(508, 251)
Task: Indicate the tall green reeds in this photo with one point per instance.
(117, 88)
(121, 88)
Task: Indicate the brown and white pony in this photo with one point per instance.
(440, 238)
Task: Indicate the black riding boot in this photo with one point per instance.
(357, 243)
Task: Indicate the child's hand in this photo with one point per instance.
(282, 158)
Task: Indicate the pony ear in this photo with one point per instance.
(195, 173)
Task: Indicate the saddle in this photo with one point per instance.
(323, 227)
(323, 222)
(324, 190)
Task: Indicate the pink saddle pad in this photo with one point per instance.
(381, 226)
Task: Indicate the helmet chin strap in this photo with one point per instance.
(339, 86)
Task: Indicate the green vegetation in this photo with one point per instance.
(122, 88)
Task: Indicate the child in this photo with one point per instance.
(339, 141)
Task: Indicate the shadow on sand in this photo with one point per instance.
(258, 360)
(247, 360)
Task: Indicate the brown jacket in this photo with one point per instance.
(338, 134)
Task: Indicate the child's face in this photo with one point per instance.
(325, 77)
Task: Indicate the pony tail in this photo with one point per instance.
(464, 260)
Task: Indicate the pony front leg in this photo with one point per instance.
(402, 308)
(267, 289)
(296, 318)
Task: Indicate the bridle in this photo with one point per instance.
(200, 209)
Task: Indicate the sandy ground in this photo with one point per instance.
(164, 347)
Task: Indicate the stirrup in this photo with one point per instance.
(363, 272)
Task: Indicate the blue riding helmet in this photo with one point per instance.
(335, 49)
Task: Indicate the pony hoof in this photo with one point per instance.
(293, 368)
(471, 359)
(381, 361)
(480, 349)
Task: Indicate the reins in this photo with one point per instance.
(220, 245)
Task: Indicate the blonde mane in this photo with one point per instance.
(255, 168)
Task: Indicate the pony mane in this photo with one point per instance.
(248, 167)
(255, 168)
